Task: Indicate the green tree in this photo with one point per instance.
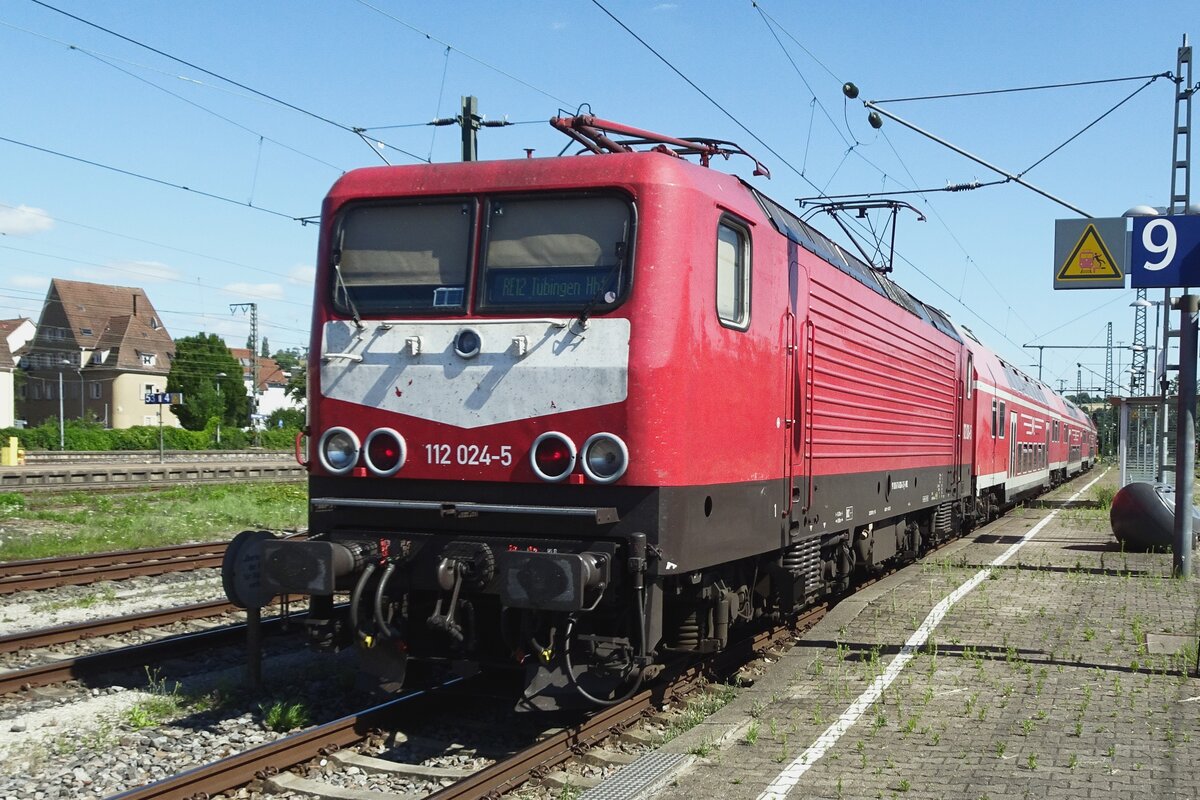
(199, 360)
(297, 385)
(289, 360)
(265, 352)
(290, 417)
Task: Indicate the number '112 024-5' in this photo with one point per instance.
(468, 455)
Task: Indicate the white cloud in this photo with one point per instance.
(147, 270)
(256, 291)
(19, 281)
(666, 7)
(24, 220)
(302, 274)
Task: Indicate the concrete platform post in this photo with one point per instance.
(1185, 436)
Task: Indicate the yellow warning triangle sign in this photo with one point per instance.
(1090, 260)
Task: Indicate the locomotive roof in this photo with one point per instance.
(820, 245)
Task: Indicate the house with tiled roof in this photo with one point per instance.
(14, 334)
(98, 351)
(270, 392)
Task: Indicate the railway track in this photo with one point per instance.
(49, 573)
(77, 476)
(89, 666)
(270, 763)
(108, 626)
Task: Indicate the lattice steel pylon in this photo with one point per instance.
(1137, 368)
(253, 342)
(1108, 376)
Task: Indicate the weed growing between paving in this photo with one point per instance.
(699, 709)
(47, 525)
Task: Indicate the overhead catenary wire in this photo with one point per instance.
(772, 24)
(110, 61)
(464, 54)
(210, 73)
(149, 178)
(208, 256)
(1067, 85)
(156, 276)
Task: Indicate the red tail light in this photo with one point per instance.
(385, 452)
(553, 456)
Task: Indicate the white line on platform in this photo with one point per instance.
(791, 775)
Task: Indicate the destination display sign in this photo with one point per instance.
(554, 286)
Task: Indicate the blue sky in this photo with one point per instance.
(772, 72)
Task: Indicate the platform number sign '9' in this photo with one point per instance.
(1165, 252)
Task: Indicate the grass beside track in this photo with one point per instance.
(48, 524)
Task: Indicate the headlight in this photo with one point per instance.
(338, 450)
(553, 456)
(385, 452)
(605, 457)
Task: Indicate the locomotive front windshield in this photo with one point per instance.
(538, 254)
(402, 257)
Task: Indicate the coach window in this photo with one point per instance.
(970, 373)
(1001, 428)
(733, 275)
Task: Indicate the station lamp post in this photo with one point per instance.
(220, 405)
(62, 428)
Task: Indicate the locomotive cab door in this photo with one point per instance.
(797, 358)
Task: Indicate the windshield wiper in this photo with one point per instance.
(340, 283)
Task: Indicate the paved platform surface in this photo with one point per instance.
(1064, 671)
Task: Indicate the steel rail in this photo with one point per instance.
(268, 759)
(80, 570)
(39, 565)
(59, 634)
(83, 477)
(84, 667)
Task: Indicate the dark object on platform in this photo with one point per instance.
(1143, 516)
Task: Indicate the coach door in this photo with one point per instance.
(1013, 447)
(966, 434)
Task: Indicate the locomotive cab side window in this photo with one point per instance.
(733, 274)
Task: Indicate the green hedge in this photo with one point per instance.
(89, 435)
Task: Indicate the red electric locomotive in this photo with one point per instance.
(578, 414)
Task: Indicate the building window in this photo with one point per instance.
(95, 389)
(85, 331)
(37, 391)
(147, 359)
(733, 275)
